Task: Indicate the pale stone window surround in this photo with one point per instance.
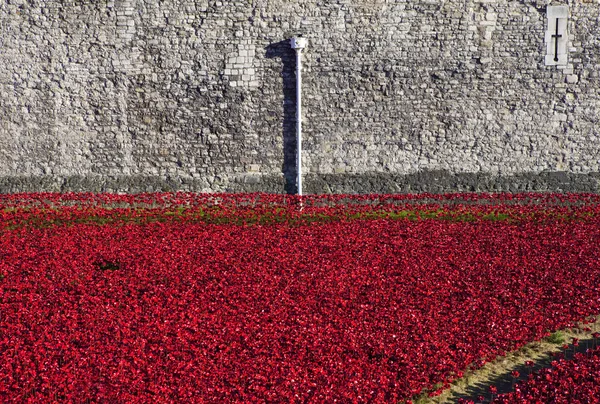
(240, 66)
(557, 36)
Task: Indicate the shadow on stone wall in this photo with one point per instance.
(382, 183)
(282, 50)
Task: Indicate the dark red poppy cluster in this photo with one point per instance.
(575, 381)
(338, 310)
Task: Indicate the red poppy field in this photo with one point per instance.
(173, 298)
(573, 381)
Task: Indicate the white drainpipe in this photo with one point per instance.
(299, 43)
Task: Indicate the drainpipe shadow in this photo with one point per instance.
(283, 51)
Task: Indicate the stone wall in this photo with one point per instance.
(398, 96)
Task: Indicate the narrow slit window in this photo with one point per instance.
(557, 36)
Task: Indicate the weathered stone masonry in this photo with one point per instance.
(399, 96)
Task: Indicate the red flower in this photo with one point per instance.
(247, 298)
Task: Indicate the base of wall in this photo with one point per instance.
(424, 181)
(446, 182)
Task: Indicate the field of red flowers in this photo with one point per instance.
(574, 381)
(263, 298)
